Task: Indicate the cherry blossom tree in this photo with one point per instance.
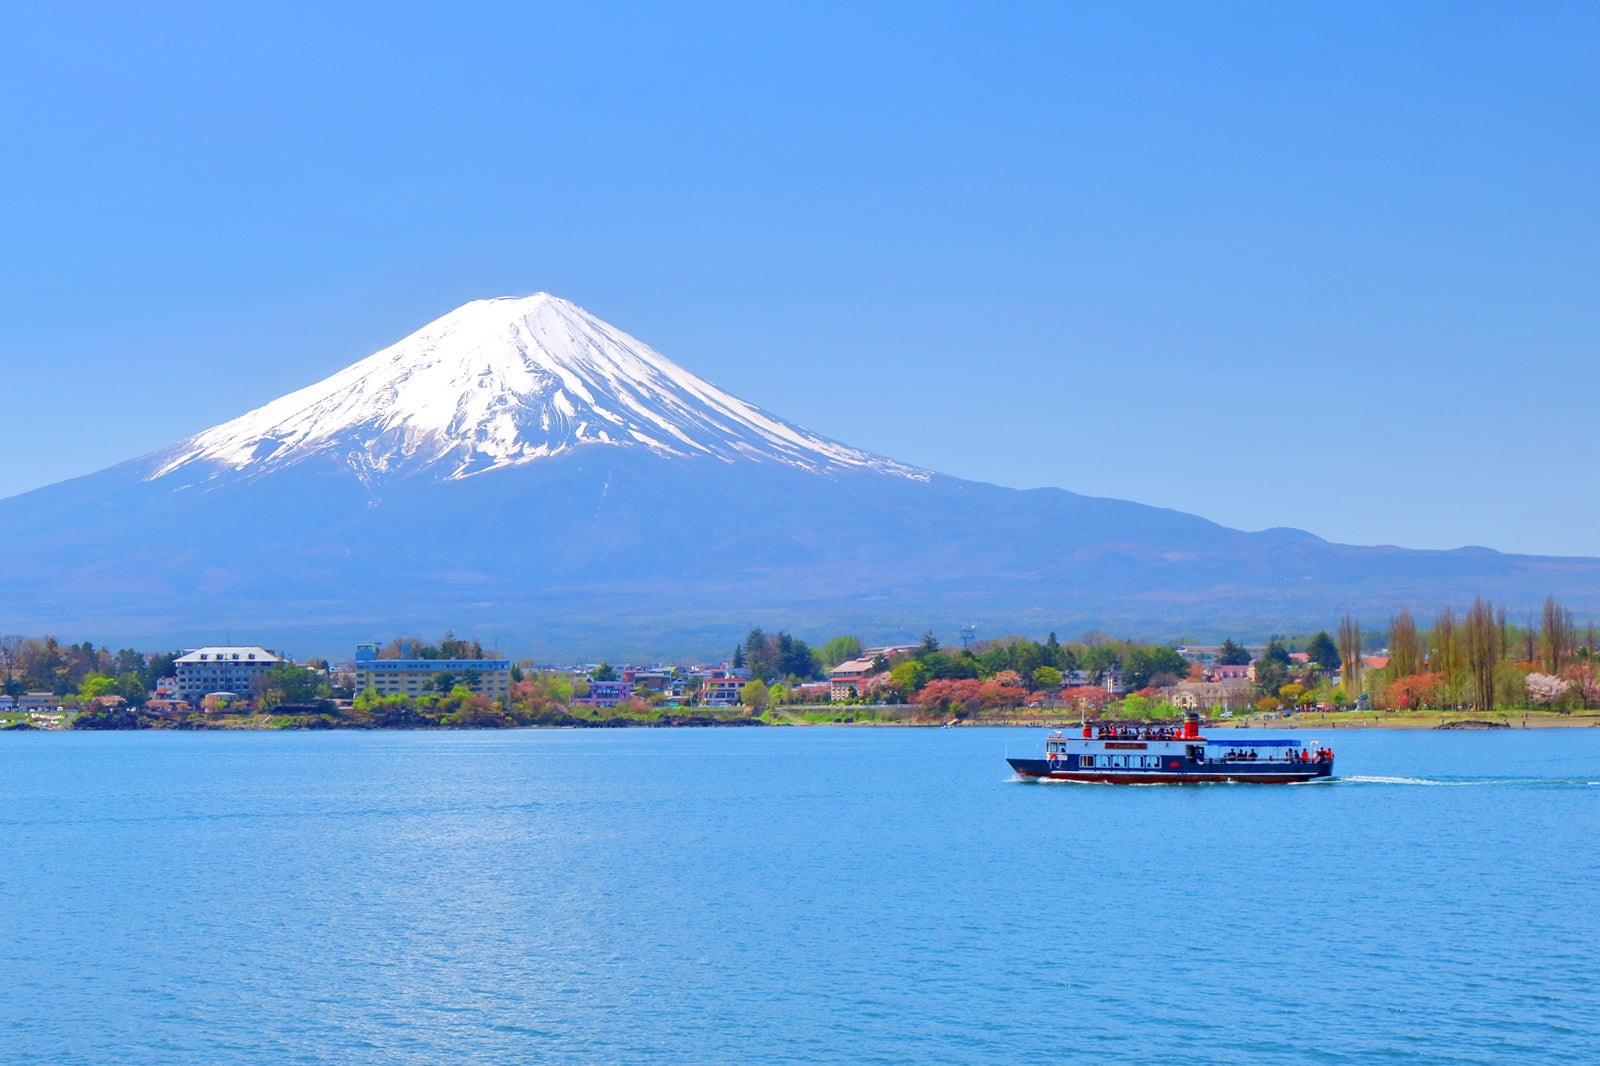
(1582, 678)
(1546, 688)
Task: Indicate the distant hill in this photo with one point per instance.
(519, 470)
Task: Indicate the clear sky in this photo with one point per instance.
(1328, 266)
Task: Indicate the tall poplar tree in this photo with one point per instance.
(1483, 654)
(1405, 656)
(1443, 657)
(1350, 655)
(1555, 636)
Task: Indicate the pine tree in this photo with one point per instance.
(1232, 654)
(1322, 651)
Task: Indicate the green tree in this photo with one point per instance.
(1026, 657)
(840, 649)
(1483, 654)
(760, 654)
(796, 659)
(1142, 665)
(907, 676)
(1405, 654)
(604, 672)
(287, 683)
(160, 666)
(96, 685)
(1350, 653)
(1138, 708)
(1052, 652)
(131, 688)
(1272, 671)
(1099, 658)
(1323, 651)
(444, 681)
(755, 695)
(1232, 654)
(929, 645)
(1047, 678)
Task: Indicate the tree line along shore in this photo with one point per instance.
(1478, 668)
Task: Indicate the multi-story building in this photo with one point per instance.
(721, 686)
(418, 677)
(222, 669)
(848, 677)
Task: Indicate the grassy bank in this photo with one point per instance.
(1513, 719)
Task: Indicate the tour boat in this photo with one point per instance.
(1171, 755)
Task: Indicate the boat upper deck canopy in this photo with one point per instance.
(1235, 742)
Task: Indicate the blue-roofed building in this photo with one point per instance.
(416, 677)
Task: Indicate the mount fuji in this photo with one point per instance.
(521, 470)
(498, 384)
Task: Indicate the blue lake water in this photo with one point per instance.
(788, 895)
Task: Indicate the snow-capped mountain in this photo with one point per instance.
(500, 383)
(520, 470)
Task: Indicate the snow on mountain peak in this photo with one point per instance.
(501, 382)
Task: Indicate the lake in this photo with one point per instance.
(788, 895)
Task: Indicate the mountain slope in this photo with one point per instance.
(495, 384)
(521, 471)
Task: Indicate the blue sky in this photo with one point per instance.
(1329, 266)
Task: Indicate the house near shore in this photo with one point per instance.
(722, 687)
(1228, 695)
(846, 680)
(1230, 672)
(657, 680)
(1111, 680)
(605, 694)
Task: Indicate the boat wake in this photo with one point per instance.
(1472, 782)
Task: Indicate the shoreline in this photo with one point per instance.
(900, 719)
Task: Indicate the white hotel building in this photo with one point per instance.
(208, 670)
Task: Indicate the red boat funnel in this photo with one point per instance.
(1191, 725)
